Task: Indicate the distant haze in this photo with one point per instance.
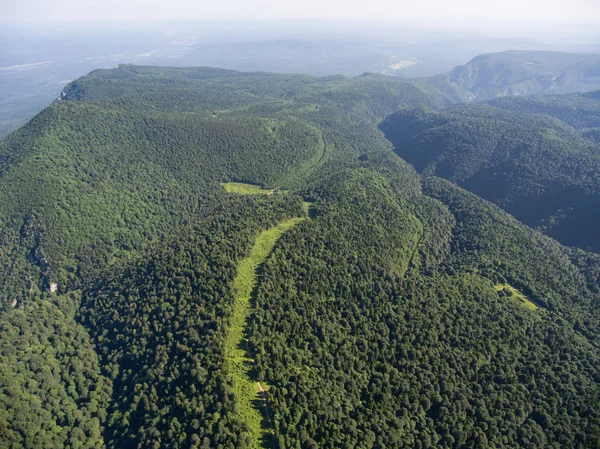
(458, 11)
(44, 44)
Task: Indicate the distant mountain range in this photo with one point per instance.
(34, 79)
(527, 72)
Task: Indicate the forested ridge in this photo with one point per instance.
(132, 152)
(534, 166)
(427, 360)
(581, 111)
(116, 179)
(407, 312)
(159, 327)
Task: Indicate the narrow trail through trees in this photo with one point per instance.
(250, 394)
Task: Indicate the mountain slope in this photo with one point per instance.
(533, 166)
(92, 182)
(527, 72)
(581, 111)
(372, 321)
(406, 312)
(358, 353)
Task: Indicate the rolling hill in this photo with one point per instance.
(533, 166)
(581, 111)
(143, 305)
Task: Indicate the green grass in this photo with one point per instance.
(239, 364)
(245, 189)
(310, 210)
(517, 296)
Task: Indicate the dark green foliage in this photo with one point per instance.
(493, 243)
(362, 355)
(159, 326)
(129, 154)
(382, 321)
(533, 166)
(581, 111)
(52, 393)
(101, 182)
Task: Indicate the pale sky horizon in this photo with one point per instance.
(521, 12)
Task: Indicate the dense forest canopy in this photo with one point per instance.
(535, 167)
(581, 111)
(402, 309)
(130, 153)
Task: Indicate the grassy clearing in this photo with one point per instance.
(245, 189)
(250, 189)
(310, 210)
(517, 296)
(239, 364)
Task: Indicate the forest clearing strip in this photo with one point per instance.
(249, 393)
(321, 157)
(517, 296)
(246, 189)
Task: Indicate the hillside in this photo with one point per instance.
(527, 72)
(242, 261)
(84, 183)
(532, 166)
(129, 154)
(581, 111)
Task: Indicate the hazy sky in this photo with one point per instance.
(389, 10)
